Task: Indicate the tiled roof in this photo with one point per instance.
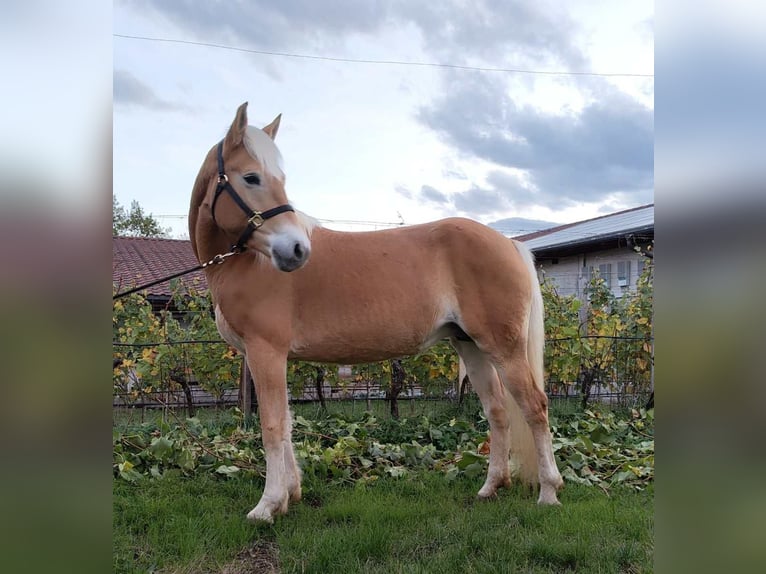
(629, 220)
(138, 260)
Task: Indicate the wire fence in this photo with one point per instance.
(175, 374)
(609, 369)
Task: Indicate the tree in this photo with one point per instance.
(135, 223)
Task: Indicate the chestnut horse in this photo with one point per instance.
(299, 291)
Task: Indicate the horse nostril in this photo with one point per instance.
(298, 251)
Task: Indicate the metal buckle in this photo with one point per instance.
(218, 259)
(223, 178)
(256, 220)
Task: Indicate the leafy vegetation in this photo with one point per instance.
(609, 343)
(594, 448)
(602, 449)
(143, 365)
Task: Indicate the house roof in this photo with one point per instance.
(139, 260)
(595, 230)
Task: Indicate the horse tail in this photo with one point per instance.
(536, 329)
(522, 440)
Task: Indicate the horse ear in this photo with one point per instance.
(236, 133)
(272, 129)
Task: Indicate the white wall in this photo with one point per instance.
(571, 274)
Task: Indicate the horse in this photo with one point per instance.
(297, 290)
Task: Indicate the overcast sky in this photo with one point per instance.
(385, 143)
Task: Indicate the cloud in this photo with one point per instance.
(130, 91)
(431, 194)
(513, 31)
(505, 192)
(646, 28)
(478, 201)
(403, 191)
(453, 173)
(563, 159)
(266, 24)
(508, 31)
(568, 158)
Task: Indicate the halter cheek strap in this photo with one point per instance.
(254, 218)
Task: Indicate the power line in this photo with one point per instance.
(344, 221)
(381, 62)
(566, 233)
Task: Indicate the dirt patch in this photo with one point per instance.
(260, 558)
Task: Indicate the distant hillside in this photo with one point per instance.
(513, 226)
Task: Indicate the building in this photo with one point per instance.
(570, 254)
(140, 260)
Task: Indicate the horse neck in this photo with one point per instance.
(210, 239)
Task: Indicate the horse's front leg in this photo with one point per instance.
(282, 479)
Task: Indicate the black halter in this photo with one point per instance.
(254, 218)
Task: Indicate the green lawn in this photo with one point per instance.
(418, 523)
(422, 523)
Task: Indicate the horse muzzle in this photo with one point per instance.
(292, 257)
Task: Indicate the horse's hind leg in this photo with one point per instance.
(517, 376)
(269, 370)
(493, 398)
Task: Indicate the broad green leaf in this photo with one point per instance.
(467, 458)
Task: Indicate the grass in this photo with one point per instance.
(419, 524)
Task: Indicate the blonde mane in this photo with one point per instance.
(307, 222)
(261, 147)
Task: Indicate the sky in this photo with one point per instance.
(370, 145)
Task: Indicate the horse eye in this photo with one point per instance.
(252, 179)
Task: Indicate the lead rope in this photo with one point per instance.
(217, 260)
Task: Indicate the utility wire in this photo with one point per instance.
(383, 62)
(567, 233)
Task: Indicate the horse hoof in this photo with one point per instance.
(260, 515)
(487, 494)
(295, 495)
(491, 486)
(548, 498)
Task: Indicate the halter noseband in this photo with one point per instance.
(254, 218)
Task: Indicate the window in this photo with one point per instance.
(623, 273)
(605, 270)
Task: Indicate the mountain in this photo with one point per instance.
(513, 226)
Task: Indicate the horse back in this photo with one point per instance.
(388, 293)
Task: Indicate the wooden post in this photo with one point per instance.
(319, 381)
(650, 402)
(245, 393)
(396, 386)
(367, 383)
